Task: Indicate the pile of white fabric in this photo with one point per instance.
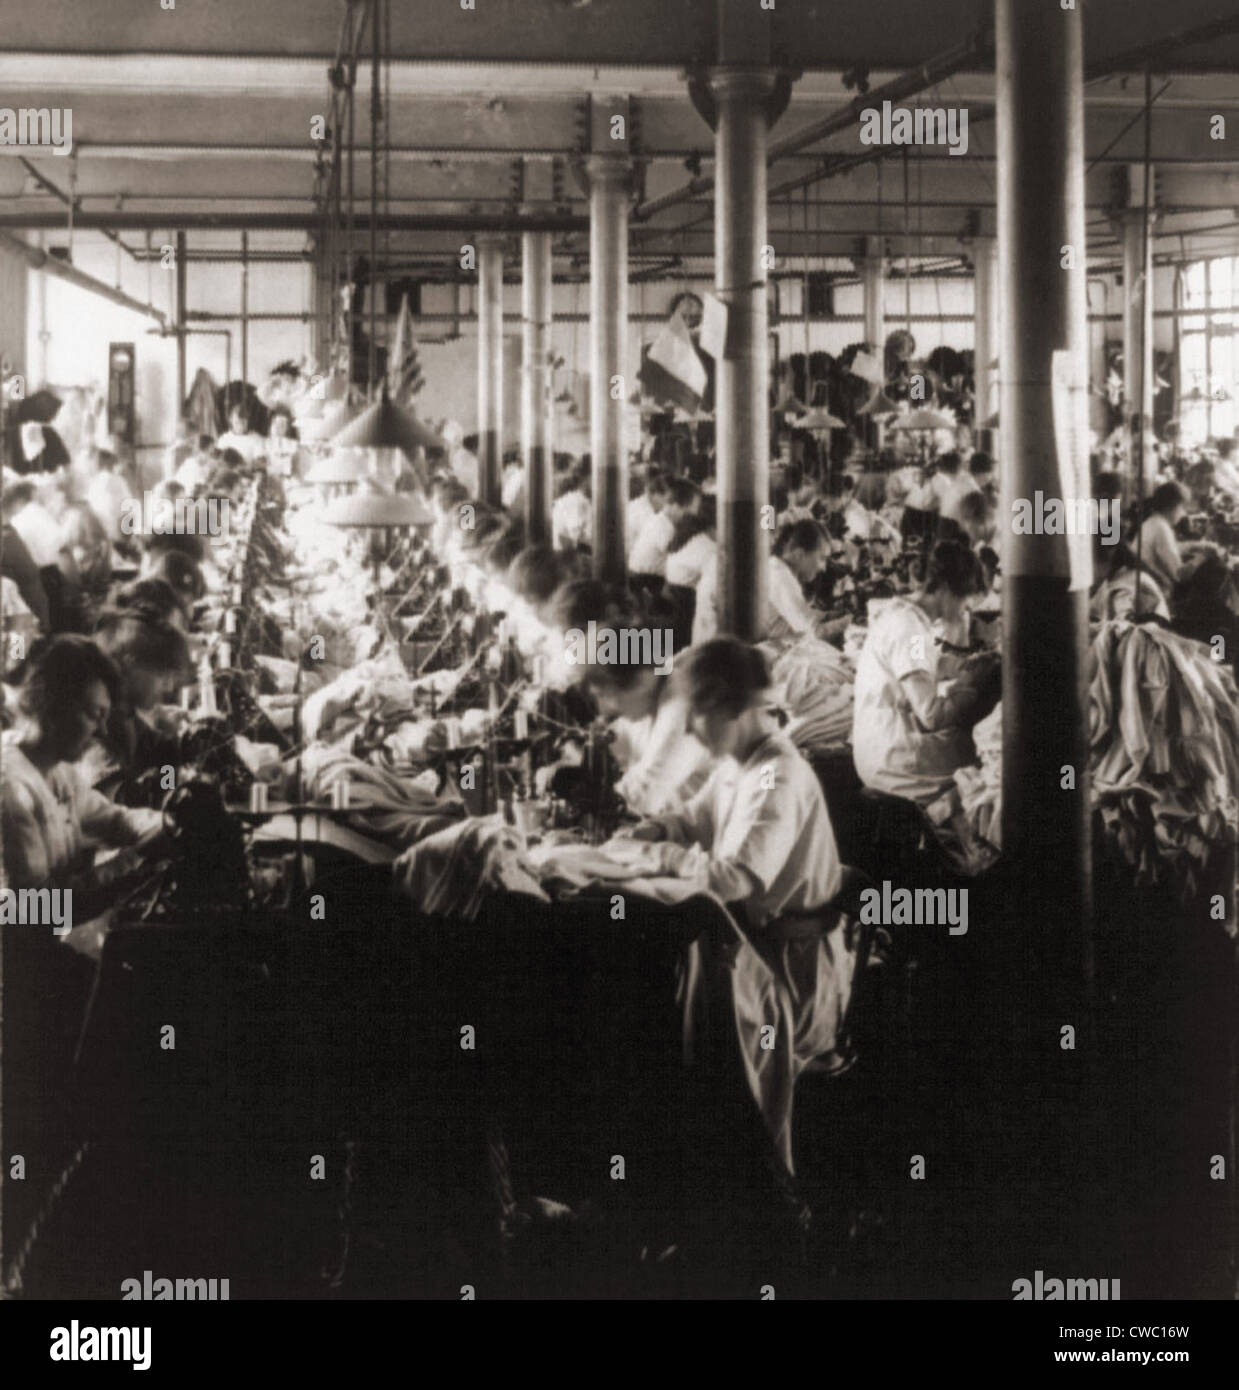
(812, 681)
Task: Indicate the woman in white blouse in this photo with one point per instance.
(761, 819)
(662, 766)
(908, 737)
(801, 552)
(1159, 547)
(52, 818)
(693, 547)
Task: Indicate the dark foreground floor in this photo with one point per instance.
(319, 1132)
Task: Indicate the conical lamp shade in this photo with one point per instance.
(790, 405)
(924, 420)
(339, 467)
(879, 404)
(385, 425)
(378, 509)
(819, 419)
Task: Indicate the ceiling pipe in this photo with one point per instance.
(906, 85)
(1137, 59)
(464, 221)
(61, 196)
(62, 270)
(909, 84)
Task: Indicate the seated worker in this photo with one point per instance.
(802, 492)
(465, 550)
(574, 605)
(649, 551)
(643, 508)
(907, 738)
(495, 559)
(983, 474)
(950, 485)
(239, 437)
(663, 766)
(282, 444)
(512, 487)
(1123, 588)
(532, 578)
(801, 551)
(89, 546)
(760, 821)
(106, 495)
(974, 526)
(36, 514)
(178, 571)
(156, 601)
(153, 660)
(18, 566)
(195, 469)
(572, 514)
(182, 448)
(694, 545)
(1159, 547)
(863, 522)
(447, 496)
(52, 818)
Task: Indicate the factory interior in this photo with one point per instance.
(619, 630)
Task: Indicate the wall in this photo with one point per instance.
(13, 294)
(81, 325)
(450, 368)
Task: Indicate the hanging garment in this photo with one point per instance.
(1164, 748)
(200, 405)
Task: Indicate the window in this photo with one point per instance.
(1209, 349)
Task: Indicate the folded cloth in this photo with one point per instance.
(580, 865)
(812, 681)
(450, 873)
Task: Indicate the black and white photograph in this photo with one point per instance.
(619, 627)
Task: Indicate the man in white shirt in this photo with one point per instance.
(950, 485)
(34, 523)
(572, 518)
(107, 494)
(649, 553)
(643, 509)
(182, 447)
(512, 488)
